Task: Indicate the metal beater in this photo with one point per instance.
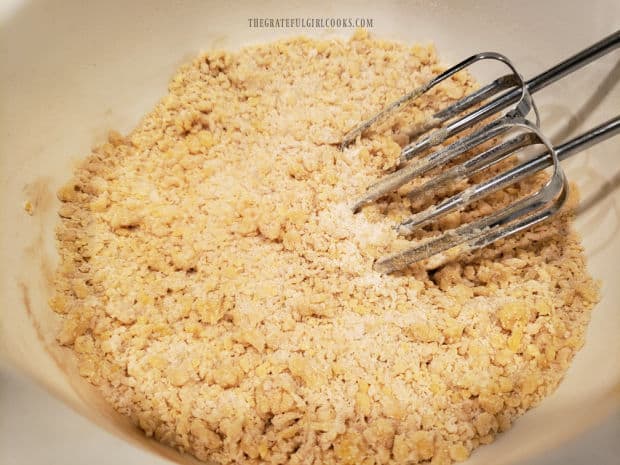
(506, 103)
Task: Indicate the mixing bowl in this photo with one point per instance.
(72, 70)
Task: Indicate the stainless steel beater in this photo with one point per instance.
(508, 110)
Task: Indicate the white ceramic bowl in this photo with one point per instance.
(71, 70)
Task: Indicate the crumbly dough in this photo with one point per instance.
(216, 286)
